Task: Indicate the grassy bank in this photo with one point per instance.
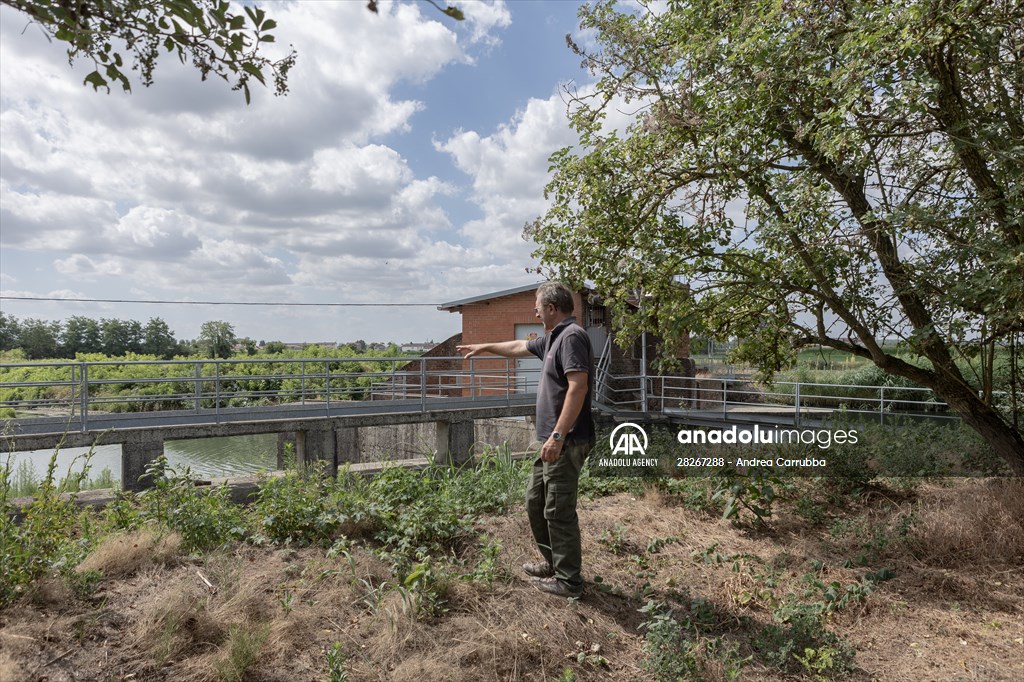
(414, 576)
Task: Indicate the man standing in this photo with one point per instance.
(565, 426)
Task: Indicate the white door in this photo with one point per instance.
(528, 369)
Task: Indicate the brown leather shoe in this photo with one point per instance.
(557, 587)
(538, 569)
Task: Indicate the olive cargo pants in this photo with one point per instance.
(551, 508)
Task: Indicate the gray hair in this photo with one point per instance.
(556, 294)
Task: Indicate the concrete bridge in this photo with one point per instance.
(330, 434)
(319, 405)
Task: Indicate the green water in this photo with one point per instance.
(206, 457)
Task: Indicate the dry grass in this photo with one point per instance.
(124, 554)
(953, 610)
(978, 523)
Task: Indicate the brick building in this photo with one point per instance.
(508, 314)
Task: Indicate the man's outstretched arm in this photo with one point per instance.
(507, 349)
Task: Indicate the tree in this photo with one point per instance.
(81, 335)
(10, 329)
(129, 35)
(38, 338)
(157, 339)
(876, 149)
(206, 33)
(249, 345)
(120, 337)
(217, 339)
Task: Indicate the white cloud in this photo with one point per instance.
(354, 171)
(485, 16)
(82, 267)
(182, 191)
(509, 171)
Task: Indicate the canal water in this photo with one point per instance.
(206, 457)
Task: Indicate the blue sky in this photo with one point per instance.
(400, 168)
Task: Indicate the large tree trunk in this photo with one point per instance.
(1006, 441)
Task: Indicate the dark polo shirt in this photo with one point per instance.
(565, 349)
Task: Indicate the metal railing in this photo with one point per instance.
(78, 389)
(732, 398)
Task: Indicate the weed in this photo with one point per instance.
(675, 650)
(205, 519)
(427, 588)
(488, 567)
(800, 628)
(287, 600)
(336, 663)
(297, 508)
(84, 583)
(241, 652)
(614, 539)
(45, 538)
(657, 544)
(753, 492)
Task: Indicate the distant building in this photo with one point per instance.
(304, 345)
(417, 347)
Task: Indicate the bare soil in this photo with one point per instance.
(953, 610)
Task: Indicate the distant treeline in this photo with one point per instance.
(41, 339)
(79, 335)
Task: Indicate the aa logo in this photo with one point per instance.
(628, 439)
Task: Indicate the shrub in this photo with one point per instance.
(45, 539)
(204, 517)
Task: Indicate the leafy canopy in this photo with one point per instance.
(806, 172)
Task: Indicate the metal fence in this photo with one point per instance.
(78, 389)
(735, 397)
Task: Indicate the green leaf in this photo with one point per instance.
(97, 81)
(253, 71)
(454, 12)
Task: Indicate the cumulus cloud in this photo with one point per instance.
(82, 267)
(509, 171)
(484, 17)
(181, 190)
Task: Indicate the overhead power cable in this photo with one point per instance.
(249, 303)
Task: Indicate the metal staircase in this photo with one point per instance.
(603, 374)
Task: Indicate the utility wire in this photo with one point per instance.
(250, 303)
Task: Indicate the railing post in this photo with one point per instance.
(216, 390)
(302, 382)
(423, 384)
(199, 391)
(327, 383)
(725, 398)
(881, 405)
(472, 378)
(797, 405)
(71, 402)
(643, 373)
(85, 396)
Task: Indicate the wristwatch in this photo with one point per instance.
(556, 436)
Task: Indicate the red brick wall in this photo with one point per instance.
(495, 320)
